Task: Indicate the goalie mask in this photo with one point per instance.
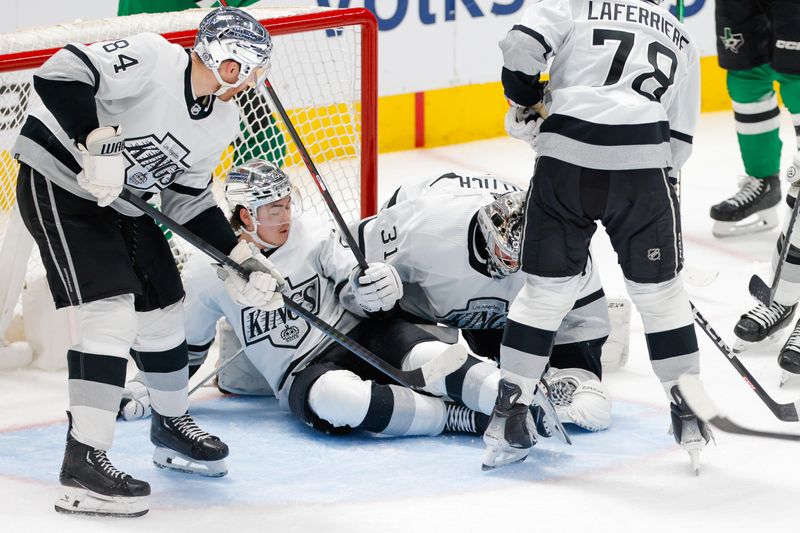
(265, 191)
(230, 33)
(501, 225)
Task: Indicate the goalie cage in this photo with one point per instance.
(324, 70)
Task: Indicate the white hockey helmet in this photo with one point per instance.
(231, 33)
(254, 184)
(501, 225)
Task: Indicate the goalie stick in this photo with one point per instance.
(216, 371)
(758, 287)
(433, 370)
(788, 412)
(698, 399)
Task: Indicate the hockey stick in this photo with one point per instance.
(216, 371)
(758, 287)
(697, 397)
(446, 363)
(788, 412)
(312, 168)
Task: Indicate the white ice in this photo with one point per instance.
(285, 477)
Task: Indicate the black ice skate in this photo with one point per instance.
(789, 358)
(511, 433)
(761, 323)
(462, 419)
(182, 446)
(750, 210)
(689, 431)
(92, 486)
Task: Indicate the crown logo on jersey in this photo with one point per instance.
(731, 41)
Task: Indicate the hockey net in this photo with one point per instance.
(324, 70)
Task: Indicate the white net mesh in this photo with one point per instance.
(317, 74)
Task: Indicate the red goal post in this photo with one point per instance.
(324, 69)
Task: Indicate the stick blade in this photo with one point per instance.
(759, 290)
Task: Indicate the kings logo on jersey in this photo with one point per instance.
(479, 313)
(154, 162)
(282, 328)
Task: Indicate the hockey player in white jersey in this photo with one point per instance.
(145, 115)
(624, 87)
(321, 383)
(454, 241)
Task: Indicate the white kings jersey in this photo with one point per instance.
(316, 266)
(142, 83)
(624, 81)
(429, 232)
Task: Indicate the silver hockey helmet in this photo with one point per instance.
(501, 225)
(231, 33)
(255, 183)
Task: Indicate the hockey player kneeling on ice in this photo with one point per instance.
(454, 240)
(142, 114)
(321, 383)
(609, 149)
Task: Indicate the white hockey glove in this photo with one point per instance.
(135, 403)
(262, 290)
(378, 288)
(580, 398)
(523, 123)
(103, 172)
(793, 172)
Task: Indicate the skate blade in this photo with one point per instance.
(499, 457)
(757, 222)
(73, 500)
(788, 378)
(694, 457)
(172, 460)
(742, 346)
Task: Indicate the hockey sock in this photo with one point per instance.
(755, 107)
(790, 93)
(669, 329)
(95, 389)
(166, 374)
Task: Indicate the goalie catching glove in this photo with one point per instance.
(377, 288)
(580, 398)
(103, 172)
(523, 123)
(262, 290)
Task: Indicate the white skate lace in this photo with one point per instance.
(102, 461)
(765, 316)
(459, 418)
(187, 427)
(793, 342)
(750, 189)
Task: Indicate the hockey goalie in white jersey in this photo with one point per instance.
(454, 241)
